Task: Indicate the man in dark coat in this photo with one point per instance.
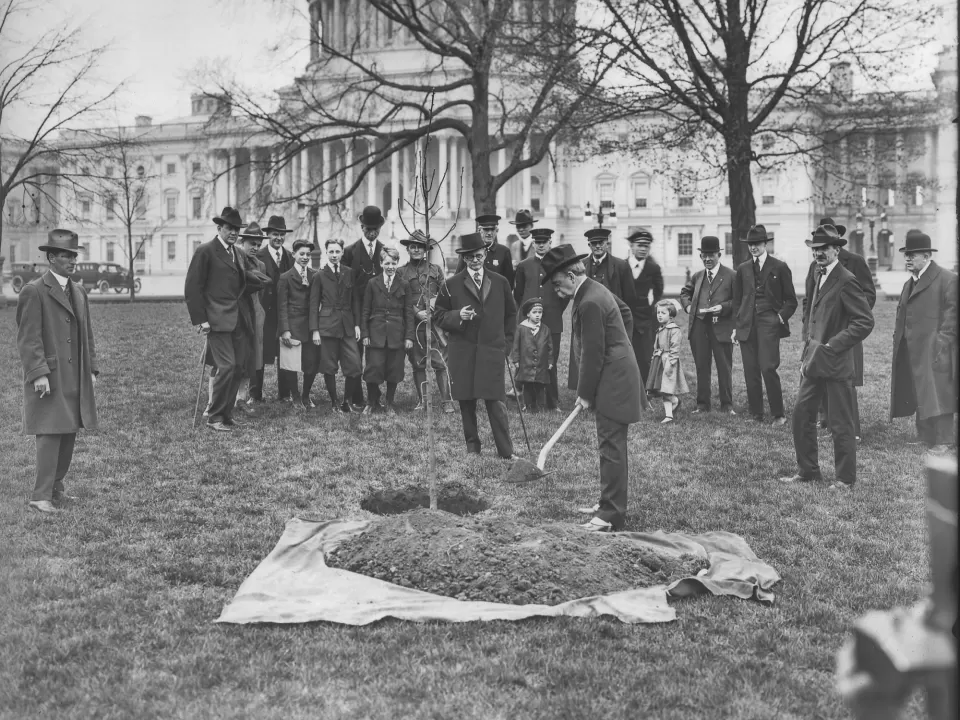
(216, 282)
(611, 272)
(523, 248)
(527, 284)
(363, 259)
(647, 291)
(499, 259)
(708, 299)
(764, 301)
(861, 271)
(838, 319)
(608, 380)
(924, 377)
(479, 315)
(59, 361)
(276, 260)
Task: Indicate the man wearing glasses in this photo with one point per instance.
(499, 259)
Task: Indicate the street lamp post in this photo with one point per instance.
(872, 252)
(611, 215)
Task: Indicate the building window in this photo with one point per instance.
(769, 200)
(640, 202)
(193, 242)
(685, 201)
(141, 250)
(171, 168)
(196, 206)
(641, 189)
(171, 244)
(728, 244)
(196, 168)
(536, 194)
(141, 171)
(172, 207)
(684, 244)
(606, 194)
(86, 208)
(111, 203)
(111, 252)
(726, 200)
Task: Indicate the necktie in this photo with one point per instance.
(389, 283)
(913, 284)
(476, 279)
(68, 289)
(278, 258)
(821, 272)
(709, 277)
(756, 268)
(303, 275)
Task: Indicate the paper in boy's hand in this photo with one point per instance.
(290, 357)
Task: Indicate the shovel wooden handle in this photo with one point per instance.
(557, 435)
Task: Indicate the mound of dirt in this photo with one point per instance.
(451, 497)
(502, 560)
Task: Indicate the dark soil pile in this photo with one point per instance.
(502, 560)
(452, 497)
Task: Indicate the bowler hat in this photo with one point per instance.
(297, 244)
(529, 304)
(371, 216)
(841, 229)
(276, 223)
(58, 240)
(541, 234)
(418, 238)
(917, 241)
(758, 233)
(557, 259)
(709, 244)
(470, 243)
(597, 234)
(252, 232)
(229, 216)
(825, 235)
(524, 217)
(641, 236)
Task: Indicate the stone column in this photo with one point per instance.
(502, 192)
(326, 188)
(525, 179)
(550, 210)
(232, 194)
(899, 167)
(454, 177)
(372, 177)
(255, 180)
(304, 172)
(348, 177)
(214, 160)
(394, 183)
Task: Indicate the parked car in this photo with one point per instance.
(104, 277)
(22, 273)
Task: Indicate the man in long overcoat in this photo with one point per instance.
(924, 377)
(251, 238)
(838, 319)
(478, 313)
(608, 380)
(59, 360)
(861, 271)
(277, 260)
(611, 272)
(647, 291)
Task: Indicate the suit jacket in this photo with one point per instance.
(254, 301)
(293, 304)
(607, 372)
(719, 292)
(477, 348)
(924, 379)
(56, 342)
(364, 267)
(387, 317)
(615, 275)
(839, 319)
(777, 282)
(334, 306)
(527, 285)
(499, 260)
(650, 278)
(861, 271)
(216, 281)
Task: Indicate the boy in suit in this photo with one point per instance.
(276, 260)
(647, 292)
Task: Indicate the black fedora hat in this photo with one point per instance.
(420, 239)
(917, 241)
(758, 233)
(470, 243)
(541, 234)
(557, 259)
(841, 229)
(229, 216)
(59, 240)
(524, 217)
(641, 236)
(709, 244)
(276, 223)
(597, 235)
(529, 304)
(371, 216)
(252, 232)
(825, 235)
(488, 220)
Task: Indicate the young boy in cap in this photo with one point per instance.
(533, 354)
(294, 305)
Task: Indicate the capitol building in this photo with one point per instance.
(194, 165)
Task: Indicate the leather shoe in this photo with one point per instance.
(779, 421)
(841, 486)
(63, 497)
(699, 410)
(448, 408)
(43, 506)
(245, 408)
(219, 427)
(588, 510)
(728, 410)
(597, 525)
(798, 478)
(234, 422)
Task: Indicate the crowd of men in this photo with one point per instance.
(255, 306)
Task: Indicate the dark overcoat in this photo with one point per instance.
(477, 348)
(334, 305)
(532, 354)
(650, 278)
(387, 317)
(426, 281)
(55, 342)
(840, 316)
(364, 267)
(499, 260)
(861, 271)
(615, 275)
(927, 321)
(607, 373)
(255, 308)
(777, 281)
(719, 292)
(216, 283)
(293, 304)
(527, 281)
(268, 298)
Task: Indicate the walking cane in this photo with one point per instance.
(519, 406)
(196, 408)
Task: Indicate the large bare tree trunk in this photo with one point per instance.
(484, 196)
(743, 208)
(737, 137)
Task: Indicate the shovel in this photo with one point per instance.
(525, 471)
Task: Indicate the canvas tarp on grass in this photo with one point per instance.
(294, 585)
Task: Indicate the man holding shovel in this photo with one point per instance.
(607, 380)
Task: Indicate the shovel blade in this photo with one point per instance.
(523, 471)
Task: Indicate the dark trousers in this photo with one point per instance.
(936, 430)
(810, 392)
(553, 388)
(612, 444)
(357, 395)
(643, 351)
(855, 404)
(286, 384)
(533, 395)
(761, 358)
(229, 353)
(54, 453)
(497, 414)
(706, 348)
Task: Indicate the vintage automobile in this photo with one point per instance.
(22, 273)
(104, 277)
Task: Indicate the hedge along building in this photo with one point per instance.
(222, 154)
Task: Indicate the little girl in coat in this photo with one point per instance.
(533, 354)
(666, 376)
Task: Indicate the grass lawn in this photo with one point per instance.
(108, 609)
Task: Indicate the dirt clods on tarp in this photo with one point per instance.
(503, 560)
(451, 497)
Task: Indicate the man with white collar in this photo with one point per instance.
(59, 361)
(839, 318)
(499, 259)
(276, 260)
(524, 223)
(647, 291)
